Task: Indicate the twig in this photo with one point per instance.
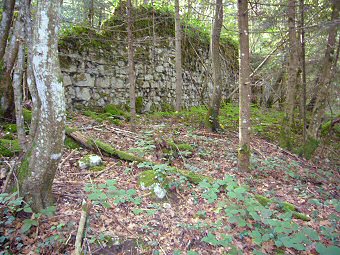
(84, 213)
(103, 171)
(67, 158)
(4, 188)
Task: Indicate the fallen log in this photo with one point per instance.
(106, 149)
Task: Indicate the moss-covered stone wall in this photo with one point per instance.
(94, 63)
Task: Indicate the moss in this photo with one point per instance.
(139, 105)
(71, 144)
(181, 146)
(70, 130)
(11, 128)
(9, 148)
(23, 170)
(263, 200)
(116, 153)
(97, 168)
(193, 177)
(301, 216)
(27, 115)
(147, 178)
(288, 206)
(166, 107)
(8, 136)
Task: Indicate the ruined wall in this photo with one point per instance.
(94, 64)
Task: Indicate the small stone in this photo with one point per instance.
(90, 161)
(166, 205)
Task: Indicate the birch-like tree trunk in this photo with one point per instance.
(293, 66)
(7, 14)
(37, 171)
(178, 39)
(244, 88)
(131, 65)
(324, 80)
(18, 77)
(214, 107)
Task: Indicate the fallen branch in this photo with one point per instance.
(79, 238)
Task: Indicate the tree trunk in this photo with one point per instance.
(214, 108)
(6, 89)
(293, 63)
(40, 163)
(132, 74)
(245, 90)
(303, 69)
(7, 14)
(324, 80)
(91, 13)
(18, 79)
(178, 36)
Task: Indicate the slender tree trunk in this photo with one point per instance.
(214, 108)
(7, 14)
(179, 80)
(40, 163)
(325, 75)
(132, 74)
(6, 89)
(245, 90)
(18, 78)
(303, 68)
(293, 63)
(91, 13)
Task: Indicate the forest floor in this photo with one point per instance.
(209, 218)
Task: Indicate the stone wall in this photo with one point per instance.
(95, 77)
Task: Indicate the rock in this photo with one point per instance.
(83, 94)
(89, 161)
(159, 69)
(148, 77)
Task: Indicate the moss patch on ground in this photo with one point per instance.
(9, 148)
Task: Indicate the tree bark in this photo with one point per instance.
(18, 78)
(131, 64)
(292, 63)
(37, 171)
(214, 108)
(6, 89)
(178, 38)
(324, 80)
(303, 69)
(7, 15)
(245, 90)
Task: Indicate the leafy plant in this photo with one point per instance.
(102, 193)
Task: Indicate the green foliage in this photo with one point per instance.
(11, 128)
(103, 193)
(9, 148)
(27, 115)
(307, 150)
(139, 105)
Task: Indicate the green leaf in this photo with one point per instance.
(210, 239)
(49, 211)
(28, 223)
(330, 250)
(257, 237)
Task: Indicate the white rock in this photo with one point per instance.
(90, 161)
